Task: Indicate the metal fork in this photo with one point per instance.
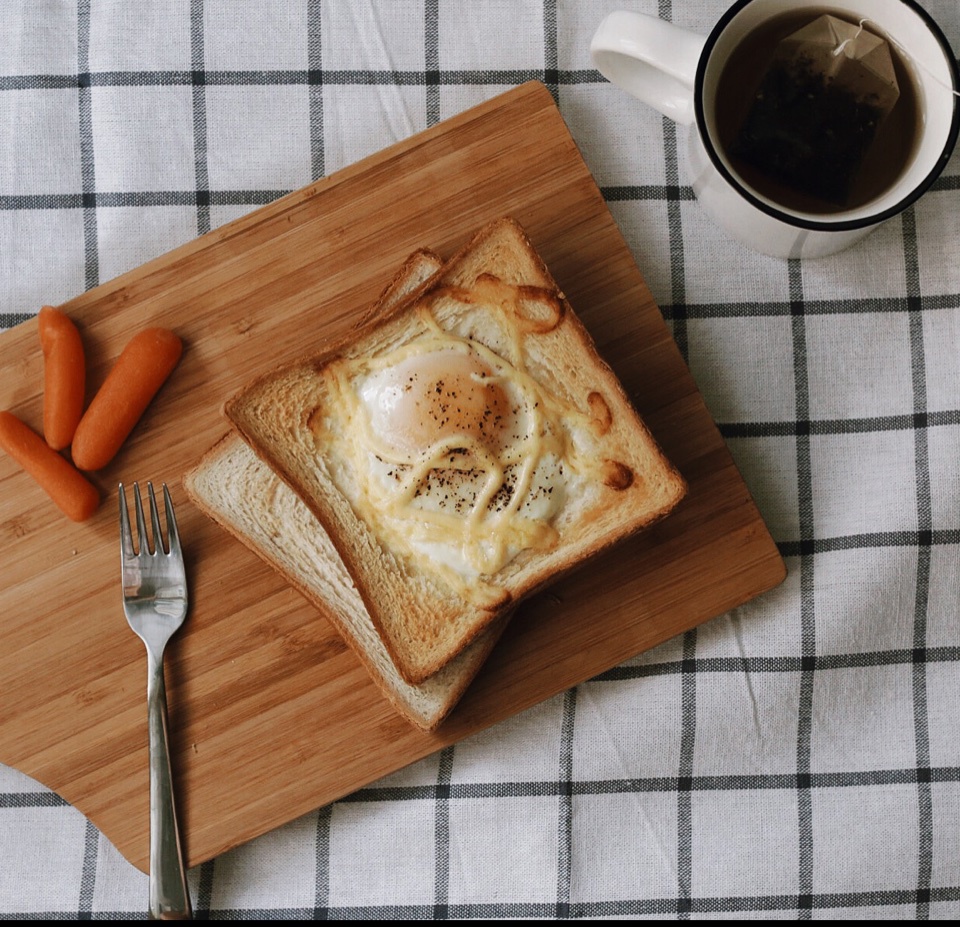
(155, 603)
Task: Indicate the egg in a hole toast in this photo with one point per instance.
(462, 451)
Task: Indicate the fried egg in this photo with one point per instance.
(431, 397)
(457, 455)
(451, 446)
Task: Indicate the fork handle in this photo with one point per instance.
(169, 896)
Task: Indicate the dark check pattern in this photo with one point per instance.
(796, 758)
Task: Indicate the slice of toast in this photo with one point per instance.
(236, 489)
(440, 550)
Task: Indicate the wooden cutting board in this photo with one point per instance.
(271, 715)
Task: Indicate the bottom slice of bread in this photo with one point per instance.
(242, 494)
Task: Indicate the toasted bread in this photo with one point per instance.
(495, 303)
(236, 489)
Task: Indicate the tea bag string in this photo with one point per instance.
(839, 50)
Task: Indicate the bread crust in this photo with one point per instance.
(423, 623)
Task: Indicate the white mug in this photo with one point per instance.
(677, 71)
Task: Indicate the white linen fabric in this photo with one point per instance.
(798, 757)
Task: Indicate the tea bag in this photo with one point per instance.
(818, 108)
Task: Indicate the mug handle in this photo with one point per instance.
(651, 59)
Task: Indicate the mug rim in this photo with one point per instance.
(801, 221)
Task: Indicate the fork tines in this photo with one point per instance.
(143, 538)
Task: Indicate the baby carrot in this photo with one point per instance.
(64, 376)
(62, 482)
(140, 371)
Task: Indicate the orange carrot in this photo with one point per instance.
(143, 366)
(64, 376)
(62, 482)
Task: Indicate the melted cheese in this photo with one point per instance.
(458, 455)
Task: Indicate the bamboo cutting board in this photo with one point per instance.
(271, 715)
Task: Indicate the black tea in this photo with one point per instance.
(816, 113)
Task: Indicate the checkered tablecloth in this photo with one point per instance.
(796, 758)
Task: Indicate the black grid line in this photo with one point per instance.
(198, 83)
(874, 305)
(318, 167)
(663, 907)
(87, 161)
(940, 537)
(432, 75)
(431, 39)
(688, 706)
(551, 67)
(321, 903)
(732, 782)
(678, 315)
(10, 319)
(565, 807)
(670, 193)
(554, 788)
(925, 527)
(38, 799)
(841, 426)
(295, 77)
(947, 301)
(88, 873)
(204, 900)
(441, 851)
(142, 198)
(782, 664)
(808, 629)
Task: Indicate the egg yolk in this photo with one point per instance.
(430, 397)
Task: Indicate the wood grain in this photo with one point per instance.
(271, 715)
